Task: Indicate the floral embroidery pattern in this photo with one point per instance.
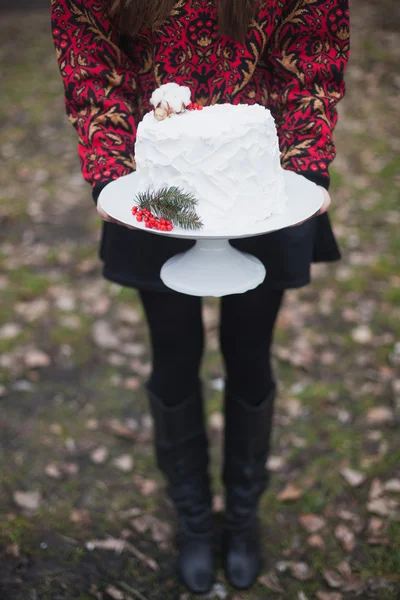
(292, 61)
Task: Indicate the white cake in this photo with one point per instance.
(226, 155)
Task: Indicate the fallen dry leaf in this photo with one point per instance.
(301, 571)
(81, 516)
(353, 477)
(333, 579)
(132, 383)
(377, 541)
(104, 336)
(311, 522)
(141, 524)
(301, 596)
(316, 541)
(146, 487)
(119, 429)
(36, 359)
(10, 331)
(55, 428)
(376, 489)
(99, 455)
(271, 581)
(380, 415)
(382, 506)
(128, 315)
(115, 593)
(290, 492)
(130, 513)
(13, 550)
(329, 596)
(124, 463)
(217, 421)
(141, 368)
(376, 526)
(355, 519)
(70, 468)
(218, 503)
(92, 424)
(344, 569)
(53, 471)
(275, 463)
(161, 532)
(361, 334)
(293, 407)
(27, 500)
(31, 311)
(345, 537)
(392, 485)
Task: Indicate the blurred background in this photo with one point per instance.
(83, 513)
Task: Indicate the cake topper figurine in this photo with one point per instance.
(170, 99)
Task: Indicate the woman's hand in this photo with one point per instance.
(324, 208)
(106, 217)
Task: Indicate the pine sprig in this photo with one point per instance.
(173, 204)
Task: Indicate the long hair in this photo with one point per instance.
(234, 16)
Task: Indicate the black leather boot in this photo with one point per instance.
(247, 439)
(181, 450)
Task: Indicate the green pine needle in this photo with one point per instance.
(173, 204)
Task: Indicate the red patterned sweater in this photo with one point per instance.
(292, 61)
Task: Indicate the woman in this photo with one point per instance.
(288, 55)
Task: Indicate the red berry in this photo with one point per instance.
(200, 108)
(147, 224)
(134, 209)
(169, 227)
(139, 218)
(163, 228)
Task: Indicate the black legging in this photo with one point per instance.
(177, 337)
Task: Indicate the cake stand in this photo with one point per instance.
(213, 267)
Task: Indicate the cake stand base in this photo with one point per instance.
(213, 265)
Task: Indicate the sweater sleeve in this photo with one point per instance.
(306, 60)
(100, 87)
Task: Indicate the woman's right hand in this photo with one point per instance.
(106, 217)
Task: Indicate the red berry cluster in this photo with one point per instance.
(194, 106)
(150, 221)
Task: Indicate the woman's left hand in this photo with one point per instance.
(324, 208)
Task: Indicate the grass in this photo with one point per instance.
(80, 384)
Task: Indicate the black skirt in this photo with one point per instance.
(134, 258)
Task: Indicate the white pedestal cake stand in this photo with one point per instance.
(213, 267)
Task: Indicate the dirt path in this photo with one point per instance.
(76, 464)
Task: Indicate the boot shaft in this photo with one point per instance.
(247, 442)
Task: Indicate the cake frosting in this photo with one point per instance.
(226, 155)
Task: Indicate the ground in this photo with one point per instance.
(83, 510)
